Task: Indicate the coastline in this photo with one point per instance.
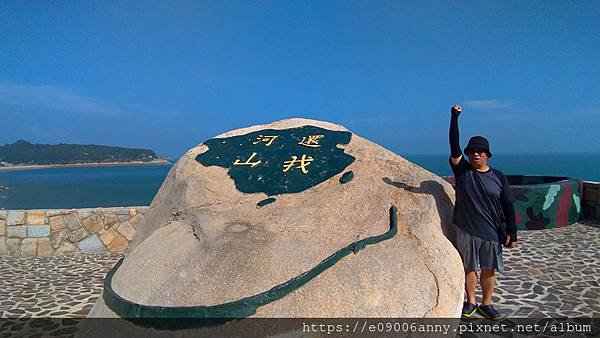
(91, 164)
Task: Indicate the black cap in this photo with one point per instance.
(478, 142)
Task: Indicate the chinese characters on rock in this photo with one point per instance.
(296, 162)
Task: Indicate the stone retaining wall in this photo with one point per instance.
(29, 233)
(591, 200)
(52, 232)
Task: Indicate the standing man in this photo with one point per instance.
(484, 202)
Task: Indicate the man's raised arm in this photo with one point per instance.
(455, 152)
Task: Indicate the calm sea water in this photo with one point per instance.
(81, 187)
(582, 166)
(128, 186)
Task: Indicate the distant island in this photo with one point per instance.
(23, 154)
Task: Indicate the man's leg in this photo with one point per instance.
(470, 284)
(488, 283)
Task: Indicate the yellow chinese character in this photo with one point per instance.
(301, 163)
(266, 139)
(248, 161)
(311, 141)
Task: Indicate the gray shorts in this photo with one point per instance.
(478, 253)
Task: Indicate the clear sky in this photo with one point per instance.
(167, 75)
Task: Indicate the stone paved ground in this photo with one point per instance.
(62, 286)
(553, 273)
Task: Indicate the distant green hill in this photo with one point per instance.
(23, 152)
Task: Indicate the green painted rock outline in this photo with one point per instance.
(158, 316)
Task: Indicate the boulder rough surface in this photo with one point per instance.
(203, 242)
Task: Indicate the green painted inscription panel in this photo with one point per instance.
(279, 161)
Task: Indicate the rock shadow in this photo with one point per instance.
(443, 203)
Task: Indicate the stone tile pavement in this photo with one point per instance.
(61, 286)
(554, 273)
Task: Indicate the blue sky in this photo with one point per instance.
(168, 75)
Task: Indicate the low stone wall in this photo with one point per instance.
(30, 233)
(591, 200)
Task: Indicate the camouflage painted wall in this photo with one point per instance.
(547, 205)
(544, 202)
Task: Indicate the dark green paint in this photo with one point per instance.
(268, 176)
(347, 177)
(266, 201)
(545, 202)
(157, 316)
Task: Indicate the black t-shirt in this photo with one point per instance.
(471, 212)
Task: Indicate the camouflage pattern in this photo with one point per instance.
(554, 202)
(544, 202)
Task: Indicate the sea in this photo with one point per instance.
(88, 187)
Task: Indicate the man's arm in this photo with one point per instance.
(511, 226)
(507, 198)
(455, 152)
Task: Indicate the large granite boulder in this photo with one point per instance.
(237, 216)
